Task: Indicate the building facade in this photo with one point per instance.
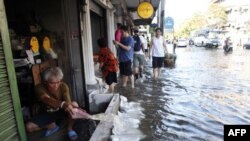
(238, 19)
(73, 26)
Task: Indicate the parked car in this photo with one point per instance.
(182, 43)
(247, 44)
(200, 41)
(212, 43)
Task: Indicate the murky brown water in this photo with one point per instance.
(193, 101)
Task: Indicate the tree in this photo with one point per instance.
(216, 16)
(197, 21)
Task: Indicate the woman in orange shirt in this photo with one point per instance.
(108, 64)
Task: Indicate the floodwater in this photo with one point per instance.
(206, 90)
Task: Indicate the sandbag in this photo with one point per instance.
(170, 56)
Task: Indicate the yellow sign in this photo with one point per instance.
(145, 10)
(46, 44)
(34, 44)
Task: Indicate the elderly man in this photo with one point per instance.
(54, 100)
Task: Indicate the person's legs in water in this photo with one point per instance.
(141, 64)
(132, 81)
(122, 67)
(112, 88)
(146, 54)
(142, 61)
(136, 66)
(127, 72)
(160, 63)
(155, 67)
(124, 81)
(111, 80)
(159, 72)
(155, 73)
(140, 70)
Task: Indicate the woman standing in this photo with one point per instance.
(159, 48)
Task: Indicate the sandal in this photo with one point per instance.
(72, 135)
(51, 131)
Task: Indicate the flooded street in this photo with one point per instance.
(193, 101)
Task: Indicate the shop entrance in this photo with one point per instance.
(98, 29)
(32, 24)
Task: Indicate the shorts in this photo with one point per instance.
(157, 62)
(46, 118)
(111, 78)
(139, 60)
(126, 68)
(146, 50)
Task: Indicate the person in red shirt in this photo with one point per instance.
(118, 32)
(108, 64)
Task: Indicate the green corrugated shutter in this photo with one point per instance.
(11, 121)
(8, 127)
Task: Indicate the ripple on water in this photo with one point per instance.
(194, 100)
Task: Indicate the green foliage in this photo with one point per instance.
(195, 22)
(214, 17)
(217, 16)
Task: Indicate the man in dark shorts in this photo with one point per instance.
(126, 52)
(159, 48)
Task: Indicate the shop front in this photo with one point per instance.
(36, 35)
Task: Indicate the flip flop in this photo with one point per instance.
(51, 131)
(72, 135)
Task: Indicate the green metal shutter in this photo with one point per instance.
(8, 127)
(11, 120)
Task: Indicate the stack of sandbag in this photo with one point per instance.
(169, 59)
(170, 56)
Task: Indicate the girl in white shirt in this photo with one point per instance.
(159, 48)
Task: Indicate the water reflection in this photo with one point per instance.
(193, 101)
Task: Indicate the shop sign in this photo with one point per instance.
(145, 10)
(46, 44)
(169, 23)
(34, 44)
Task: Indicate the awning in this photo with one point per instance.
(130, 10)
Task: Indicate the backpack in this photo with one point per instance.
(137, 46)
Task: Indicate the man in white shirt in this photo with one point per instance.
(159, 48)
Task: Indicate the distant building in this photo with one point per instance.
(238, 21)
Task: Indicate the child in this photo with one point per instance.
(108, 64)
